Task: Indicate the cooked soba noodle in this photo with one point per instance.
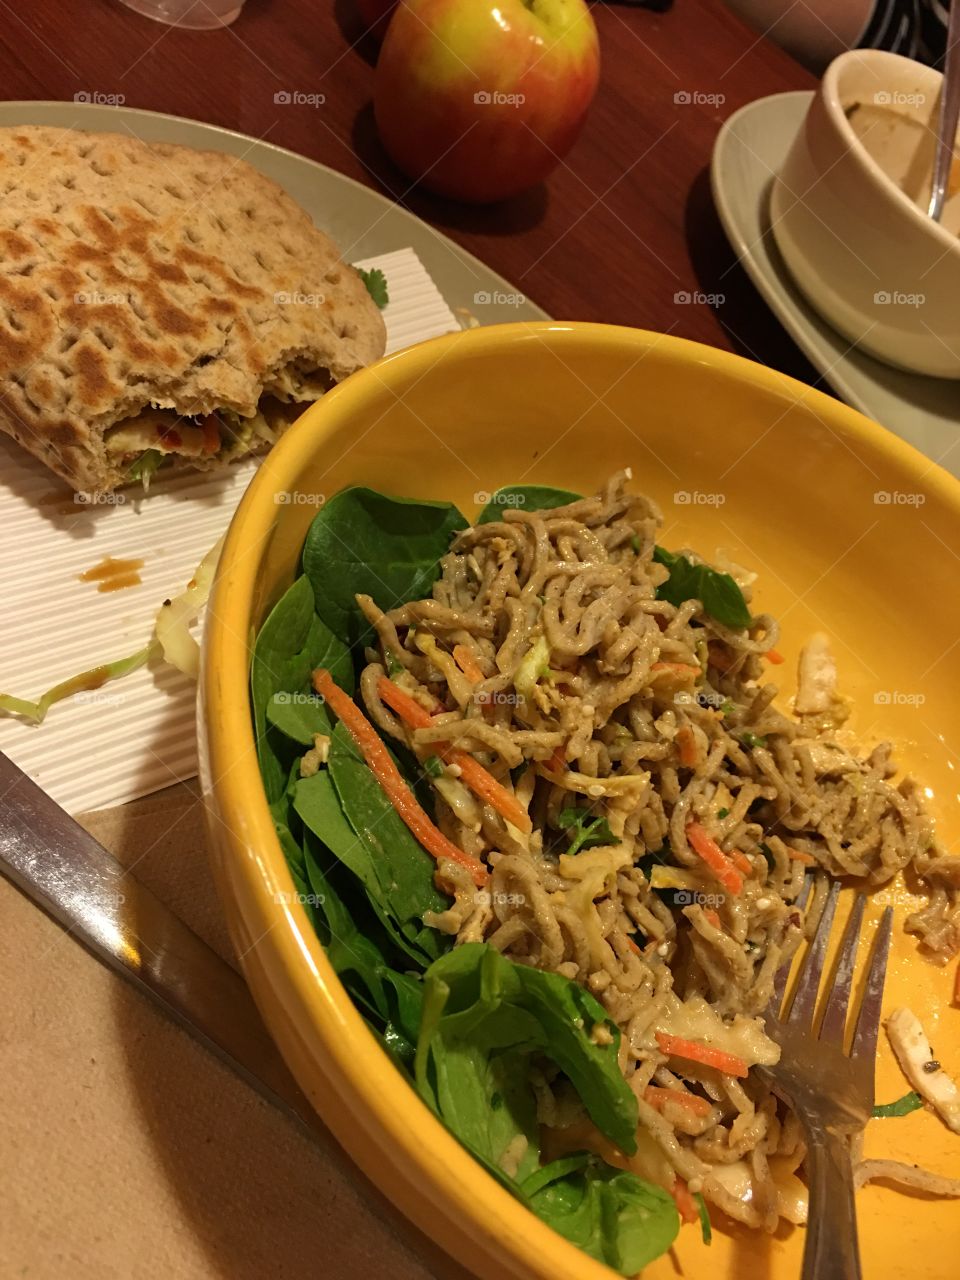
(597, 696)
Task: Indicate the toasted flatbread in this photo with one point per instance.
(142, 277)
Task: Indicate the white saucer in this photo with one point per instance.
(747, 153)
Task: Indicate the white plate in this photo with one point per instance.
(746, 155)
(135, 736)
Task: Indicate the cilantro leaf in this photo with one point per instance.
(587, 831)
(376, 283)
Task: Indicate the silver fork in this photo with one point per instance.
(830, 1089)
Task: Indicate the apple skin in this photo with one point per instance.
(375, 15)
(480, 100)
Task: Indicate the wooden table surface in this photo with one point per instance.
(620, 229)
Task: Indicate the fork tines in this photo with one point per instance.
(802, 1010)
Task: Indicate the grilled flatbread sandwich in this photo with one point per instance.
(161, 306)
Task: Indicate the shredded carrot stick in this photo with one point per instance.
(633, 946)
(388, 775)
(686, 1205)
(677, 1047)
(407, 708)
(483, 784)
(658, 1098)
(707, 848)
(480, 780)
(712, 917)
(774, 656)
(558, 761)
(741, 862)
(467, 663)
(797, 855)
(687, 742)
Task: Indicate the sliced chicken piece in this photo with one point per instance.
(816, 677)
(910, 1044)
(829, 759)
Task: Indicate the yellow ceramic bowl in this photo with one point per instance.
(851, 532)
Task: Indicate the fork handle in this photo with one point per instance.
(831, 1251)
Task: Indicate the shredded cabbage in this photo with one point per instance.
(144, 467)
(533, 666)
(172, 627)
(95, 678)
(171, 638)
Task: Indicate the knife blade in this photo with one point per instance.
(49, 857)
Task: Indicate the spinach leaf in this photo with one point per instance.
(403, 1023)
(568, 1014)
(390, 1000)
(404, 869)
(363, 542)
(352, 953)
(587, 831)
(292, 852)
(529, 497)
(347, 811)
(612, 1215)
(290, 644)
(548, 1173)
(717, 592)
(317, 805)
(902, 1107)
(486, 1100)
(298, 716)
(478, 999)
(484, 1111)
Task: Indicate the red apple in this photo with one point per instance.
(375, 15)
(480, 99)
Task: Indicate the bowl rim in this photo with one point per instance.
(830, 95)
(231, 784)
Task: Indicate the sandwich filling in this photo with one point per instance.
(138, 446)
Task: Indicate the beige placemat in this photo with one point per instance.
(126, 1149)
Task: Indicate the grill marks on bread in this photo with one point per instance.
(134, 274)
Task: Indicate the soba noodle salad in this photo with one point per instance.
(541, 793)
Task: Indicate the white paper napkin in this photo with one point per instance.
(136, 735)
